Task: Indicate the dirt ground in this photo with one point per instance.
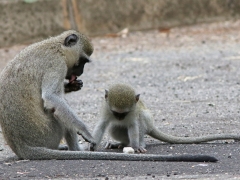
(187, 76)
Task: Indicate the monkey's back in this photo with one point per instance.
(22, 114)
(145, 117)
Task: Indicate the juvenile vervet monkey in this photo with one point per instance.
(129, 120)
(33, 112)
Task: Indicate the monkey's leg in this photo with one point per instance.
(63, 113)
(142, 144)
(63, 147)
(135, 136)
(72, 140)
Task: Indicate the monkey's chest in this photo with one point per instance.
(119, 133)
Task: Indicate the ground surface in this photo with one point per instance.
(189, 77)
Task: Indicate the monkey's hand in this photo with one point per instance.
(93, 144)
(75, 85)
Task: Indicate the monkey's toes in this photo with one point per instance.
(140, 150)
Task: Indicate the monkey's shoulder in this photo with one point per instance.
(141, 105)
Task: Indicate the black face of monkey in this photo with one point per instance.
(119, 116)
(78, 68)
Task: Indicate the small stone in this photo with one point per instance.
(128, 150)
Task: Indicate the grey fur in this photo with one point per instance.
(138, 122)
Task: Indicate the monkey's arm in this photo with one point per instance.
(52, 95)
(99, 131)
(133, 133)
(62, 112)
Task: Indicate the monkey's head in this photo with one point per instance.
(121, 99)
(77, 49)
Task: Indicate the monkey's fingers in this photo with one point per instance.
(76, 85)
(107, 146)
(77, 82)
(73, 86)
(91, 140)
(68, 88)
(84, 137)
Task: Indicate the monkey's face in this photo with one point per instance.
(78, 50)
(121, 100)
(77, 69)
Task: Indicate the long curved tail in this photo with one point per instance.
(155, 133)
(41, 153)
(151, 157)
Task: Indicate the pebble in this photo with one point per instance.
(128, 150)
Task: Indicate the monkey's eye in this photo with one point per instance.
(71, 40)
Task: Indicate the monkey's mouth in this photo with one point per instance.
(119, 116)
(72, 78)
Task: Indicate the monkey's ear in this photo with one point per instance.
(137, 97)
(71, 40)
(106, 93)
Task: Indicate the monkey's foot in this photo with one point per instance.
(92, 146)
(140, 149)
(63, 147)
(114, 145)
